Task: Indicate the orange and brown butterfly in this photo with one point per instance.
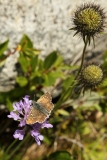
(40, 110)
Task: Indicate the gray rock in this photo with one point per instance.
(47, 23)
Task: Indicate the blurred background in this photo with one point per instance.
(80, 124)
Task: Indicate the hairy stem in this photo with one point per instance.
(82, 61)
(73, 83)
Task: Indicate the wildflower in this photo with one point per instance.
(88, 20)
(91, 76)
(20, 113)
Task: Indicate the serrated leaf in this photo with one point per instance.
(50, 60)
(22, 81)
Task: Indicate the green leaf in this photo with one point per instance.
(31, 51)
(35, 51)
(40, 65)
(58, 61)
(3, 47)
(36, 74)
(51, 77)
(22, 81)
(34, 63)
(24, 63)
(9, 104)
(104, 83)
(26, 42)
(38, 80)
(60, 155)
(67, 82)
(62, 112)
(3, 59)
(50, 60)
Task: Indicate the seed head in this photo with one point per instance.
(91, 76)
(88, 20)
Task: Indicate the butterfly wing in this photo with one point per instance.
(46, 102)
(35, 115)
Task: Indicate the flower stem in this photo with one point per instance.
(11, 145)
(63, 96)
(82, 61)
(16, 148)
(73, 82)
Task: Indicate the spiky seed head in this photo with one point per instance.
(91, 76)
(88, 20)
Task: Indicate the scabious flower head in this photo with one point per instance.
(91, 76)
(20, 113)
(88, 20)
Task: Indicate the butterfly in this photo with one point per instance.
(40, 110)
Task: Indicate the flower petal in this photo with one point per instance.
(19, 134)
(14, 116)
(22, 123)
(46, 124)
(41, 137)
(38, 137)
(18, 107)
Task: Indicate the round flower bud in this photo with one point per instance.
(91, 76)
(88, 20)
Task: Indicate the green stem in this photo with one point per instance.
(82, 61)
(16, 148)
(11, 145)
(62, 97)
(73, 83)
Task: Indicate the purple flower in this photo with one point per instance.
(37, 136)
(14, 116)
(20, 113)
(19, 134)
